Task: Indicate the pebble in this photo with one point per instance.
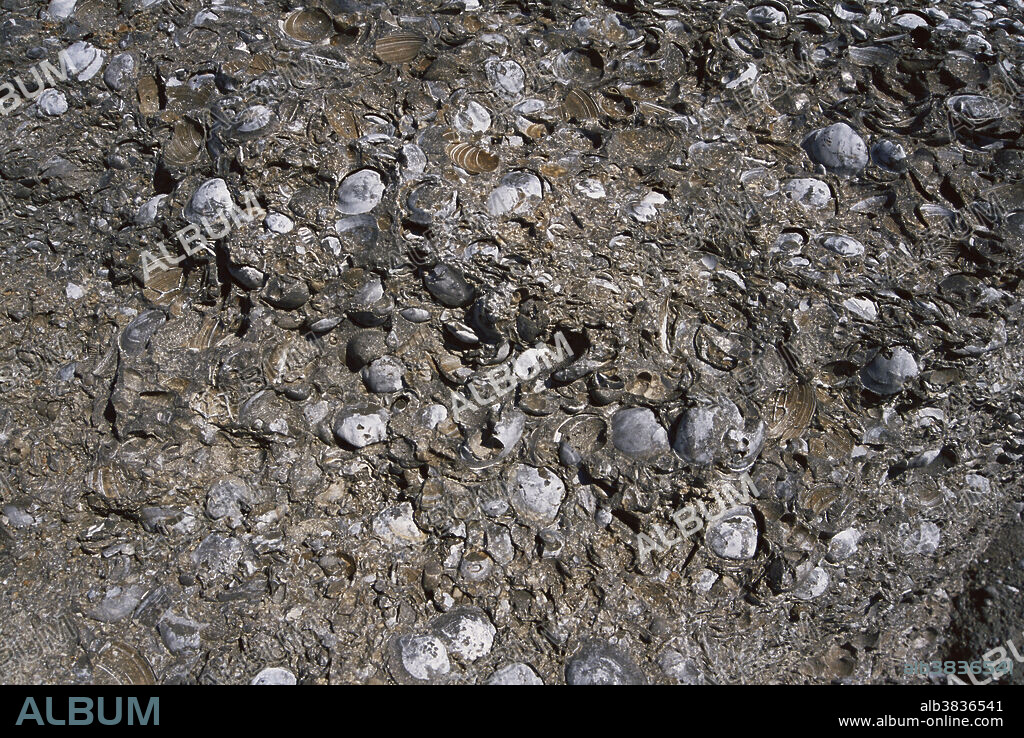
(515, 675)
(448, 286)
(117, 604)
(119, 72)
(275, 675)
(843, 545)
(535, 494)
(887, 376)
(811, 581)
(601, 663)
(636, 432)
(466, 631)
(52, 102)
(210, 200)
(227, 498)
(180, 634)
(838, 148)
(733, 535)
(361, 428)
(360, 192)
(423, 658)
(384, 375)
(365, 347)
(395, 526)
(278, 223)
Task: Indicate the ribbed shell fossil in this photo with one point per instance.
(185, 145)
(121, 664)
(472, 158)
(580, 105)
(790, 412)
(310, 24)
(398, 48)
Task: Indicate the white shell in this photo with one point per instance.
(360, 192)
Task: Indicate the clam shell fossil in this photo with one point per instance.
(790, 412)
(579, 105)
(472, 158)
(399, 48)
(185, 145)
(121, 664)
(310, 24)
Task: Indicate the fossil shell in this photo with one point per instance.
(185, 145)
(616, 105)
(579, 105)
(163, 281)
(120, 664)
(311, 25)
(149, 96)
(340, 116)
(398, 48)
(790, 412)
(108, 481)
(472, 158)
(578, 66)
(289, 361)
(820, 499)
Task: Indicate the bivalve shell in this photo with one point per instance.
(399, 48)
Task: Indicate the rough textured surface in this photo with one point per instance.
(390, 342)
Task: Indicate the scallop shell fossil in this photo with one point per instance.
(398, 48)
(185, 145)
(472, 158)
(310, 24)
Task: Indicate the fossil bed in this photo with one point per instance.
(768, 241)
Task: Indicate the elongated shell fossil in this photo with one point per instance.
(472, 158)
(149, 96)
(398, 48)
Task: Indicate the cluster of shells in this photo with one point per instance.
(767, 244)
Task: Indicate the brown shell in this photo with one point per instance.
(120, 664)
(535, 130)
(819, 500)
(149, 96)
(162, 283)
(617, 106)
(580, 105)
(340, 116)
(185, 145)
(472, 158)
(260, 64)
(790, 412)
(310, 24)
(399, 48)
